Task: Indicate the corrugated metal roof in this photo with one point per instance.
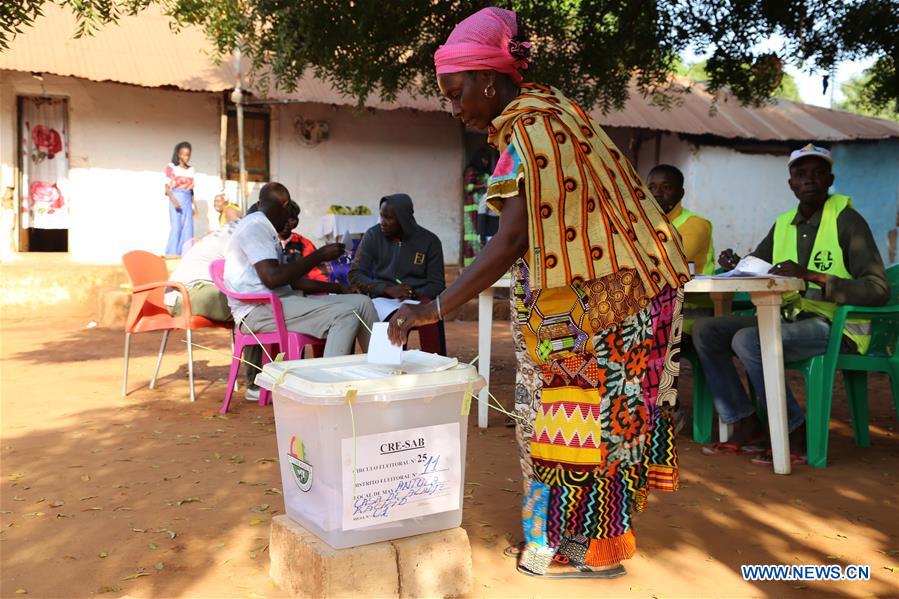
(141, 50)
(780, 120)
(311, 89)
(144, 50)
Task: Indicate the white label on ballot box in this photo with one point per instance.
(401, 474)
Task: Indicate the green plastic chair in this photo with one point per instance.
(703, 408)
(819, 372)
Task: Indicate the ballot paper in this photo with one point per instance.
(386, 306)
(347, 240)
(750, 266)
(380, 349)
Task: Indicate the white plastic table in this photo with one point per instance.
(766, 294)
(332, 227)
(485, 337)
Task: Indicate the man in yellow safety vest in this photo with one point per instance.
(666, 184)
(823, 241)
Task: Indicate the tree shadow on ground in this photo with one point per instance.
(95, 344)
(156, 496)
(154, 488)
(86, 345)
(729, 512)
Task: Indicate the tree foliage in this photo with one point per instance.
(15, 15)
(788, 90)
(593, 49)
(857, 100)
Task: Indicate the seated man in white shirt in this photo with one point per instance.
(253, 265)
(205, 298)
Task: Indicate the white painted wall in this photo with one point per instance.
(121, 136)
(741, 193)
(120, 139)
(370, 155)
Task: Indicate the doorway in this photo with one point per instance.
(43, 151)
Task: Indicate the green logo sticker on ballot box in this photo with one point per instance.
(299, 467)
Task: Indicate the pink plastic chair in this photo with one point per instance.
(291, 343)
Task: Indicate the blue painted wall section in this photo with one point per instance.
(869, 173)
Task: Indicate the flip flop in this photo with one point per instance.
(752, 449)
(578, 572)
(514, 550)
(731, 449)
(767, 459)
(721, 449)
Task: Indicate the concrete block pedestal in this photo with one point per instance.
(436, 564)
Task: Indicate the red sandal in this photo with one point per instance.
(767, 459)
(731, 449)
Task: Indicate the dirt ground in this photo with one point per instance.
(152, 496)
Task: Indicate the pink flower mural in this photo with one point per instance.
(45, 167)
(46, 140)
(45, 198)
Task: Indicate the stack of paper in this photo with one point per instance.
(387, 306)
(750, 266)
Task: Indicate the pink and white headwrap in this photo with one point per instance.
(484, 41)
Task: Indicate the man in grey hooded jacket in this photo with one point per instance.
(398, 258)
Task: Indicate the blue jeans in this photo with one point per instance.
(182, 222)
(716, 339)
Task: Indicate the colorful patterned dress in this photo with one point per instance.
(596, 323)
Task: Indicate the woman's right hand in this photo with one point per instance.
(409, 317)
(175, 203)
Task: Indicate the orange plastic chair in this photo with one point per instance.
(148, 312)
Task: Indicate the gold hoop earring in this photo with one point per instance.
(490, 91)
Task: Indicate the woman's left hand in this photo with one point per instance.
(408, 317)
